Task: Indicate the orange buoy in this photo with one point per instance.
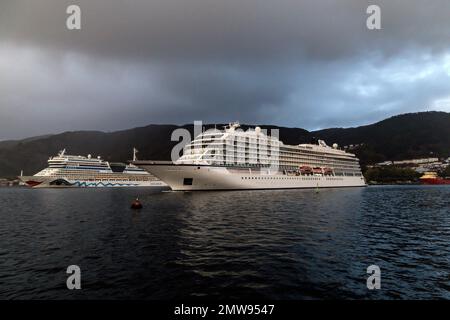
(136, 204)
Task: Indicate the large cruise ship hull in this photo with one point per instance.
(194, 177)
(53, 182)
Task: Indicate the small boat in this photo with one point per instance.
(305, 170)
(433, 178)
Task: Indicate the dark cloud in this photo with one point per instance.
(300, 63)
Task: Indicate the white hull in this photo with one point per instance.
(223, 178)
(51, 182)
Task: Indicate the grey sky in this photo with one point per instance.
(303, 63)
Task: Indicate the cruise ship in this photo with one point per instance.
(85, 171)
(233, 159)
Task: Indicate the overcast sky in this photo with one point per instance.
(300, 63)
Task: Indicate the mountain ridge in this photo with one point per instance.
(398, 137)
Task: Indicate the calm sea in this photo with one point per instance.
(284, 244)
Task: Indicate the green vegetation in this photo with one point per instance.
(391, 174)
(445, 173)
(408, 136)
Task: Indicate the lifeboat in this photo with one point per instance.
(328, 171)
(305, 170)
(317, 170)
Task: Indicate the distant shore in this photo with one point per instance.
(382, 183)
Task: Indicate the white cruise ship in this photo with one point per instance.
(85, 171)
(232, 159)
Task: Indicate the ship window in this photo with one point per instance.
(187, 181)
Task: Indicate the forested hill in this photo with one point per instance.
(404, 136)
(399, 137)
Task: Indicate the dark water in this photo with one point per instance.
(290, 244)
